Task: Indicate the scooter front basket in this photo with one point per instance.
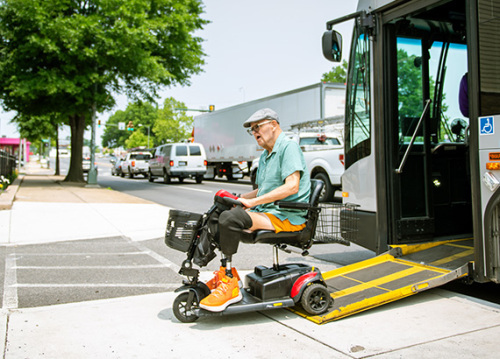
(182, 227)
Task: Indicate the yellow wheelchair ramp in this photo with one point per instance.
(403, 271)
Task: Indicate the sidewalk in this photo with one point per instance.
(433, 324)
(57, 211)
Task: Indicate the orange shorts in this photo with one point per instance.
(284, 226)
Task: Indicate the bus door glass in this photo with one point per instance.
(413, 201)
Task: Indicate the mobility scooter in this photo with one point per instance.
(278, 286)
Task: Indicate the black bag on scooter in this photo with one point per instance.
(205, 248)
(208, 240)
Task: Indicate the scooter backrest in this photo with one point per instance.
(316, 188)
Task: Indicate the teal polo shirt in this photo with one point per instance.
(285, 159)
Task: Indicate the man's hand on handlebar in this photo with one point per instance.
(247, 203)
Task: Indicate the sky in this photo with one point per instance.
(254, 49)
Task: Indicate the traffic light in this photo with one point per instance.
(130, 126)
(99, 123)
(211, 108)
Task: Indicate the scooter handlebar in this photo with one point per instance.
(227, 198)
(232, 201)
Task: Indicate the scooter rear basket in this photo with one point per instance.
(182, 227)
(337, 223)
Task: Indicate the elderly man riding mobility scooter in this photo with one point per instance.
(282, 211)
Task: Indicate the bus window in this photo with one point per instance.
(410, 87)
(447, 64)
(451, 122)
(358, 96)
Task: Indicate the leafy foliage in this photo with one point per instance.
(337, 74)
(137, 139)
(172, 124)
(138, 112)
(409, 85)
(168, 124)
(68, 56)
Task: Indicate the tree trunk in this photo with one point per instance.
(77, 125)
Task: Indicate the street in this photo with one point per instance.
(187, 196)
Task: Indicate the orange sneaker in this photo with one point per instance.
(218, 275)
(228, 292)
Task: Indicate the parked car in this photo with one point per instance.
(178, 160)
(135, 163)
(116, 170)
(86, 164)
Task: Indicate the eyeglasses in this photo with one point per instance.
(257, 127)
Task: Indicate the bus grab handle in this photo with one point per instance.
(399, 170)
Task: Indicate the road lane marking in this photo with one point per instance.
(80, 254)
(159, 258)
(93, 285)
(194, 189)
(145, 266)
(10, 298)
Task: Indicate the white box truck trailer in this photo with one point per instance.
(230, 150)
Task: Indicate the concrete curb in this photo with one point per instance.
(7, 197)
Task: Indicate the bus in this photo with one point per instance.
(422, 146)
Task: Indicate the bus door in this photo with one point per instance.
(428, 172)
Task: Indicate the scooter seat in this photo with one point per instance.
(297, 239)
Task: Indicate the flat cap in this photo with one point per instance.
(263, 114)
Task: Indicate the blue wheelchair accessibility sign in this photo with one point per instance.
(486, 126)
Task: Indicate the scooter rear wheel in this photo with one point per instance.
(180, 308)
(315, 299)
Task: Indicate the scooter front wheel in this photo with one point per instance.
(183, 307)
(315, 299)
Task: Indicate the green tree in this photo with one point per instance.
(172, 123)
(137, 139)
(337, 74)
(71, 57)
(140, 113)
(410, 85)
(37, 128)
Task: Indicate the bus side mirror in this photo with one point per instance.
(332, 45)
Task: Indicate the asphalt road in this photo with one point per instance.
(188, 196)
(75, 271)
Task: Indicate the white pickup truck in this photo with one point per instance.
(324, 156)
(136, 163)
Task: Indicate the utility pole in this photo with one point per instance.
(92, 176)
